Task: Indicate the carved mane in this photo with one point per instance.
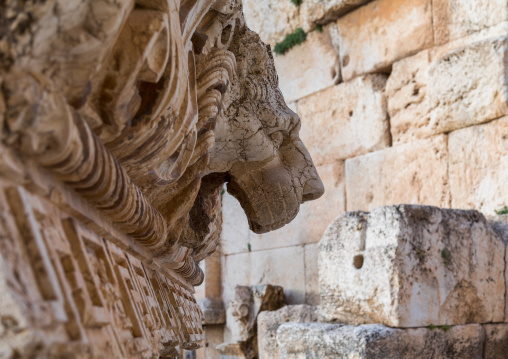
(108, 112)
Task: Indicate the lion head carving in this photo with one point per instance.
(257, 145)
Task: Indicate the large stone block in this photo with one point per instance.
(346, 120)
(271, 19)
(307, 68)
(415, 173)
(459, 94)
(455, 19)
(269, 322)
(329, 341)
(312, 273)
(411, 266)
(478, 166)
(406, 94)
(415, 93)
(406, 29)
(316, 12)
(496, 341)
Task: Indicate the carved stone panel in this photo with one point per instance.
(121, 121)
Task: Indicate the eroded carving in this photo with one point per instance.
(121, 121)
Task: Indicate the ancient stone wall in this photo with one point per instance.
(401, 101)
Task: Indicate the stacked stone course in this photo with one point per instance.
(401, 101)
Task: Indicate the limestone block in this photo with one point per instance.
(346, 120)
(267, 266)
(312, 274)
(307, 68)
(213, 310)
(478, 171)
(411, 266)
(329, 341)
(406, 91)
(459, 94)
(415, 173)
(316, 12)
(271, 19)
(496, 341)
(269, 322)
(471, 97)
(308, 226)
(454, 19)
(406, 29)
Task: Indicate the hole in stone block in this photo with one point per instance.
(358, 261)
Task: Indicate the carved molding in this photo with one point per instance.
(124, 119)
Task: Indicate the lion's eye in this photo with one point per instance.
(277, 138)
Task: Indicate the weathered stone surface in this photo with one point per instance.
(406, 94)
(412, 91)
(406, 29)
(308, 226)
(311, 274)
(478, 171)
(272, 20)
(214, 336)
(346, 120)
(459, 94)
(318, 12)
(415, 173)
(410, 266)
(269, 322)
(496, 341)
(213, 310)
(329, 341)
(242, 316)
(454, 19)
(257, 267)
(307, 68)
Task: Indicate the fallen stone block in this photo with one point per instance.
(411, 266)
(374, 341)
(269, 322)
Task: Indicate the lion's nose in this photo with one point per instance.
(312, 190)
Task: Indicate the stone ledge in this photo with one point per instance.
(375, 341)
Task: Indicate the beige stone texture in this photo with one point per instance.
(411, 266)
(214, 336)
(454, 19)
(307, 68)
(496, 341)
(346, 120)
(242, 317)
(414, 173)
(412, 91)
(318, 12)
(258, 267)
(308, 226)
(335, 341)
(311, 274)
(374, 36)
(269, 322)
(406, 94)
(271, 19)
(478, 166)
(459, 94)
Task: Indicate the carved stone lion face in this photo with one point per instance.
(257, 144)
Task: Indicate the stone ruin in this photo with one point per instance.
(121, 121)
(401, 282)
